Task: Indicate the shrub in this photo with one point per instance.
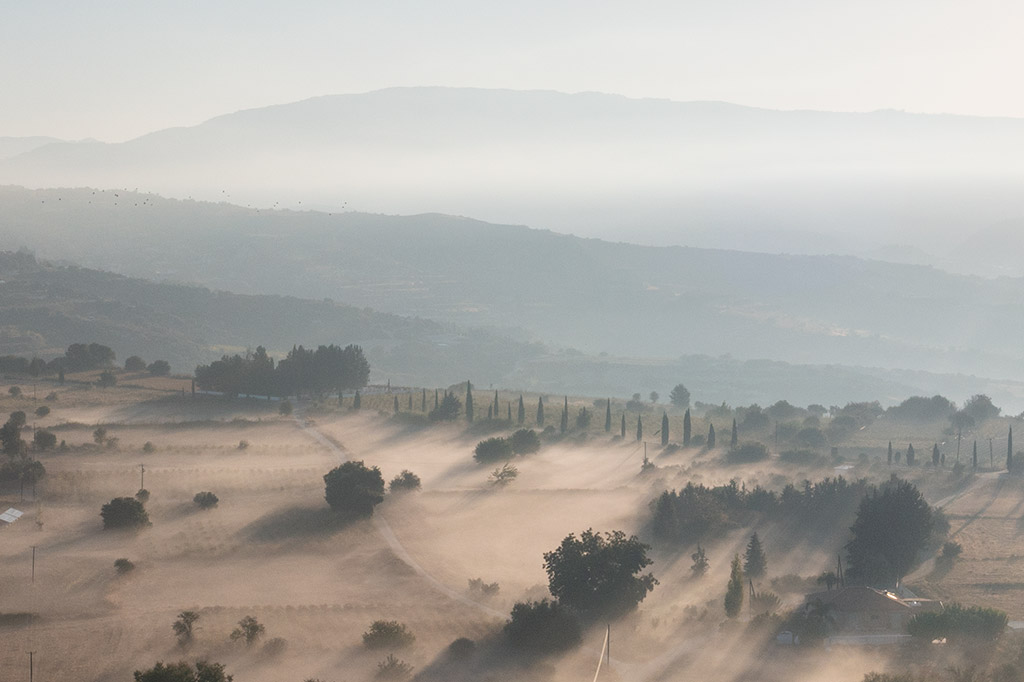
(524, 441)
(353, 488)
(148, 447)
(392, 668)
(134, 364)
(492, 450)
(206, 500)
(159, 368)
(124, 512)
(751, 451)
(14, 391)
(503, 475)
(107, 379)
(956, 622)
(405, 481)
(285, 408)
(461, 649)
(486, 589)
(275, 646)
(243, 444)
(42, 411)
(388, 634)
(44, 440)
(142, 496)
(542, 627)
(124, 566)
(51, 396)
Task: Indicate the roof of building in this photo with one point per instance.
(861, 598)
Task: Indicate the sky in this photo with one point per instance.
(116, 69)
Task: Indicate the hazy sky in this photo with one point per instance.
(116, 69)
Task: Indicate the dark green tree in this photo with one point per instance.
(664, 428)
(448, 410)
(540, 412)
(565, 416)
(679, 396)
(496, 404)
(354, 489)
(357, 401)
(700, 562)
(410, 402)
(686, 428)
(159, 368)
(524, 441)
(639, 428)
(608, 416)
(124, 512)
(134, 364)
(423, 401)
(249, 629)
(469, 401)
(183, 627)
(910, 455)
(396, 405)
(890, 453)
(543, 627)
(893, 525)
(599, 576)
(711, 436)
(521, 412)
(755, 563)
(935, 455)
(734, 589)
(107, 379)
(974, 457)
(623, 430)
(735, 438)
(1009, 450)
(492, 450)
(436, 402)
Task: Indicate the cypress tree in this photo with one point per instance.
(496, 403)
(423, 401)
(540, 412)
(623, 434)
(935, 455)
(521, 416)
(608, 416)
(60, 376)
(735, 438)
(357, 402)
(686, 428)
(510, 412)
(711, 436)
(664, 428)
(396, 404)
(469, 401)
(639, 428)
(435, 399)
(410, 401)
(490, 412)
(755, 562)
(1009, 450)
(975, 457)
(565, 415)
(890, 453)
(734, 590)
(910, 455)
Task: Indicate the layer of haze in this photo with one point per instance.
(117, 70)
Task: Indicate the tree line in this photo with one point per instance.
(326, 369)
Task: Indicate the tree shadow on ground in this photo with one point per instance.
(296, 523)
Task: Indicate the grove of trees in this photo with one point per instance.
(328, 368)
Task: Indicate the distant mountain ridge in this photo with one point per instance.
(653, 171)
(592, 295)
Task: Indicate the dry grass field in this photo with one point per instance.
(272, 549)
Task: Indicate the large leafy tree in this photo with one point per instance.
(599, 575)
(755, 563)
(679, 396)
(893, 525)
(353, 488)
(124, 512)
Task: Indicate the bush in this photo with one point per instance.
(243, 444)
(406, 481)
(353, 488)
(206, 500)
(42, 411)
(449, 409)
(542, 627)
(275, 646)
(492, 450)
(44, 440)
(124, 512)
(285, 408)
(183, 672)
(751, 451)
(957, 623)
(134, 364)
(107, 379)
(14, 391)
(148, 447)
(388, 634)
(142, 496)
(524, 441)
(392, 668)
(461, 649)
(124, 566)
(503, 475)
(160, 368)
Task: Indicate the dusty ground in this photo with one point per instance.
(272, 550)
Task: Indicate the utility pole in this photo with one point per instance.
(142, 477)
(31, 666)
